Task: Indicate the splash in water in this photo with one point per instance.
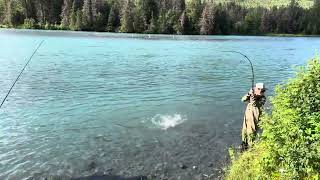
(168, 121)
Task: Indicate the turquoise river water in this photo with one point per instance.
(129, 105)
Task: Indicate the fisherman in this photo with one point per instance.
(256, 99)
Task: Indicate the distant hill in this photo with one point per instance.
(268, 3)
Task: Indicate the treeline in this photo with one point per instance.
(160, 16)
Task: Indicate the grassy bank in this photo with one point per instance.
(289, 147)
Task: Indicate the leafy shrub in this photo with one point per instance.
(47, 26)
(290, 144)
(29, 23)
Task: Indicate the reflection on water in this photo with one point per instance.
(90, 104)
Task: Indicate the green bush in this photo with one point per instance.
(47, 26)
(290, 143)
(29, 23)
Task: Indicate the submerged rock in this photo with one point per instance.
(210, 165)
(92, 165)
(182, 166)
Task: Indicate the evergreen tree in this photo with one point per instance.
(167, 22)
(42, 11)
(73, 24)
(179, 5)
(194, 10)
(183, 26)
(161, 16)
(266, 22)
(73, 20)
(8, 12)
(147, 8)
(315, 17)
(89, 14)
(139, 23)
(29, 8)
(79, 23)
(293, 15)
(164, 6)
(222, 20)
(309, 29)
(13, 12)
(66, 12)
(315, 30)
(102, 11)
(49, 11)
(207, 22)
(113, 18)
(2, 10)
(127, 17)
(55, 12)
(253, 21)
(153, 27)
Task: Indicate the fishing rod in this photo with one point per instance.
(14, 83)
(250, 65)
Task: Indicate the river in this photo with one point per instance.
(130, 105)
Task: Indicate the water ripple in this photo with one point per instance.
(85, 105)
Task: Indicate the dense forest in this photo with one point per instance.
(161, 16)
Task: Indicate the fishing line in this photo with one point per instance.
(252, 70)
(14, 83)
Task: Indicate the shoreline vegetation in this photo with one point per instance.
(182, 17)
(59, 30)
(289, 145)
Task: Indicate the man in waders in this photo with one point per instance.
(256, 100)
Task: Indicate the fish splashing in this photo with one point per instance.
(168, 121)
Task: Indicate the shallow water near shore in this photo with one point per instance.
(130, 105)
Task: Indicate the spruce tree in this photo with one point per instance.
(2, 10)
(253, 21)
(222, 20)
(113, 18)
(139, 22)
(153, 27)
(127, 17)
(194, 11)
(315, 16)
(147, 8)
(293, 14)
(207, 23)
(179, 5)
(265, 26)
(183, 25)
(79, 21)
(89, 14)
(102, 11)
(29, 9)
(8, 13)
(315, 30)
(66, 12)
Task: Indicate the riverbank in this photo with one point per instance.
(59, 29)
(289, 146)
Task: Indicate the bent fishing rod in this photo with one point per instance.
(14, 83)
(252, 71)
